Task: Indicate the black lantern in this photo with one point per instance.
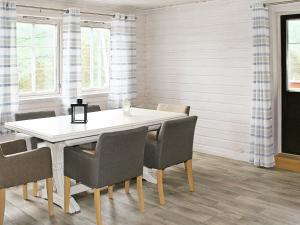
(79, 112)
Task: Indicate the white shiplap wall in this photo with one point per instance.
(200, 55)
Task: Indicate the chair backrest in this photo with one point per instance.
(120, 155)
(12, 147)
(175, 140)
(174, 108)
(91, 108)
(34, 115)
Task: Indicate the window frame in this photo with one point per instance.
(104, 89)
(57, 77)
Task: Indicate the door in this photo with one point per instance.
(290, 63)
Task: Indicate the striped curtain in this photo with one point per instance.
(8, 64)
(71, 81)
(123, 61)
(262, 140)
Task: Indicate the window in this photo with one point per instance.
(293, 54)
(37, 54)
(95, 47)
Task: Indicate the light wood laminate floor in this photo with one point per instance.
(227, 192)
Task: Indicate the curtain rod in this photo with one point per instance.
(63, 10)
(280, 3)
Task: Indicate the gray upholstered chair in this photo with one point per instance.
(174, 108)
(89, 147)
(173, 146)
(34, 140)
(19, 167)
(34, 115)
(118, 158)
(153, 134)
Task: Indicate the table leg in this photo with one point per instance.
(57, 151)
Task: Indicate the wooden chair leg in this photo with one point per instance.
(35, 189)
(97, 202)
(2, 205)
(189, 171)
(160, 187)
(67, 187)
(110, 192)
(127, 186)
(49, 184)
(25, 192)
(139, 185)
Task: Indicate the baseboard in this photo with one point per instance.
(287, 162)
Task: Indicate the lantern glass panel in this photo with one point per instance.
(79, 113)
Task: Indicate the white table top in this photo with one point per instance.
(60, 128)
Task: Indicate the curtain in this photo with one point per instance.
(262, 140)
(123, 61)
(8, 64)
(71, 81)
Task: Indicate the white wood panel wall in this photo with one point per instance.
(200, 55)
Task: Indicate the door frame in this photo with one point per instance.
(275, 13)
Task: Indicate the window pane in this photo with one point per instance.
(44, 35)
(105, 51)
(85, 52)
(293, 55)
(24, 34)
(24, 68)
(36, 55)
(95, 57)
(45, 69)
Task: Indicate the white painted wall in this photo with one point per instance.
(201, 55)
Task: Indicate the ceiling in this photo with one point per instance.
(111, 5)
(141, 4)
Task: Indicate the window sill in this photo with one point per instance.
(38, 97)
(56, 96)
(103, 92)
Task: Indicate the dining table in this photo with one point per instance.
(58, 132)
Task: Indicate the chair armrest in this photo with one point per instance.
(80, 166)
(25, 167)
